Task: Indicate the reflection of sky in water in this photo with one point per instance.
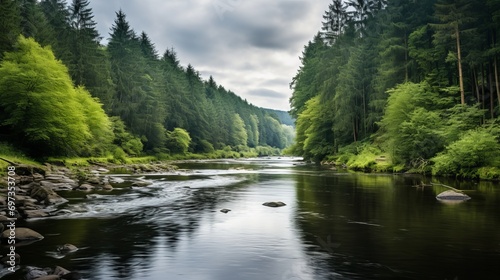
(252, 241)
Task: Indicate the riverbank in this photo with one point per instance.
(31, 190)
(369, 158)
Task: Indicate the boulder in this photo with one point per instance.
(225, 211)
(274, 204)
(23, 234)
(47, 195)
(452, 196)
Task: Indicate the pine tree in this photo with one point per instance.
(453, 15)
(10, 25)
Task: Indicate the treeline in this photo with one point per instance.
(404, 85)
(62, 93)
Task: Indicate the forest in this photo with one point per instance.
(398, 85)
(65, 94)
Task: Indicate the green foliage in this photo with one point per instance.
(477, 148)
(178, 141)
(206, 147)
(33, 86)
(98, 122)
(411, 130)
(119, 155)
(131, 144)
(238, 132)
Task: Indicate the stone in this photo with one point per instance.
(61, 212)
(452, 196)
(67, 248)
(141, 183)
(37, 177)
(225, 211)
(35, 273)
(61, 271)
(28, 170)
(103, 170)
(107, 187)
(23, 234)
(86, 187)
(29, 186)
(35, 213)
(274, 204)
(116, 180)
(47, 195)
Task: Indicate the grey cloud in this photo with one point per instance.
(267, 93)
(251, 49)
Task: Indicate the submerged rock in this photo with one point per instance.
(274, 204)
(67, 248)
(225, 210)
(452, 196)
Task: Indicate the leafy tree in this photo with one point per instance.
(39, 105)
(98, 122)
(238, 132)
(178, 141)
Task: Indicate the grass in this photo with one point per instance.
(11, 154)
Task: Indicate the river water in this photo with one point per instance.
(335, 225)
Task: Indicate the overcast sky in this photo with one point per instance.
(250, 47)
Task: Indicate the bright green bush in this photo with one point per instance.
(477, 148)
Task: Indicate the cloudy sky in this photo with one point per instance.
(250, 47)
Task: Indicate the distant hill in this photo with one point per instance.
(283, 116)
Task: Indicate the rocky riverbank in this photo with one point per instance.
(37, 195)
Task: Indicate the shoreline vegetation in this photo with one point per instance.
(402, 86)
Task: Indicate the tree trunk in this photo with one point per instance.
(496, 80)
(482, 86)
(476, 82)
(490, 78)
(460, 75)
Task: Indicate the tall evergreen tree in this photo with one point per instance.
(10, 25)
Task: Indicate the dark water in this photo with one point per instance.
(335, 226)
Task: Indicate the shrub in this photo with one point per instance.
(477, 148)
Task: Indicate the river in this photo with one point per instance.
(335, 225)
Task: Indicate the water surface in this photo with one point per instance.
(336, 225)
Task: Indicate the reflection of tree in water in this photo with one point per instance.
(127, 243)
(379, 221)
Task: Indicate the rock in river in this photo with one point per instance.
(452, 196)
(225, 210)
(274, 204)
(23, 234)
